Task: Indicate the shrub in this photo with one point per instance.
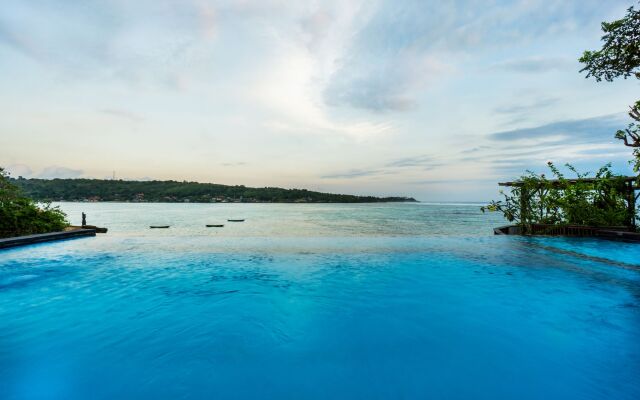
(537, 200)
(19, 215)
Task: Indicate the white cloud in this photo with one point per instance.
(16, 170)
(54, 171)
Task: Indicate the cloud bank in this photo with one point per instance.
(359, 96)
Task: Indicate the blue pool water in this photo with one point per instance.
(396, 301)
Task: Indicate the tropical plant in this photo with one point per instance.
(534, 199)
(20, 215)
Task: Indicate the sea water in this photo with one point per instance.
(317, 301)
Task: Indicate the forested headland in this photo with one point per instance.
(174, 191)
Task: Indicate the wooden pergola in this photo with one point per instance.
(629, 187)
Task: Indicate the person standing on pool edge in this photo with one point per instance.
(84, 219)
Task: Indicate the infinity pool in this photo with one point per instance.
(405, 301)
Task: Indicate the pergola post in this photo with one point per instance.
(631, 204)
(524, 194)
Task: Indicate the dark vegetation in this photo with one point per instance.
(602, 200)
(172, 191)
(20, 215)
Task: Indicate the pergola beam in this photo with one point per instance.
(625, 179)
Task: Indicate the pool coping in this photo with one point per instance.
(45, 237)
(584, 231)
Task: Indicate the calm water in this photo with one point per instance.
(397, 301)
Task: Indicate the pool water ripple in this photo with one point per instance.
(337, 301)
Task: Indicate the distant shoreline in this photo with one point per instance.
(101, 190)
(237, 202)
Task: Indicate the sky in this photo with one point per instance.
(431, 99)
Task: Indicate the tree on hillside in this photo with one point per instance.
(619, 57)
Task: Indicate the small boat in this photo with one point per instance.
(159, 226)
(235, 220)
(215, 225)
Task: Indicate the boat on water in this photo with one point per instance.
(159, 226)
(215, 225)
(235, 220)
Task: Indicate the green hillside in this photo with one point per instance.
(172, 191)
